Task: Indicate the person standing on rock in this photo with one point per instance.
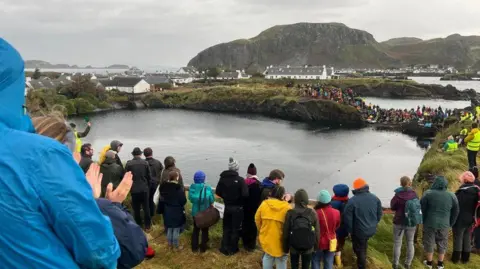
(233, 190)
(362, 214)
(440, 211)
(252, 202)
(473, 145)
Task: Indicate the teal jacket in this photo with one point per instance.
(194, 196)
(439, 206)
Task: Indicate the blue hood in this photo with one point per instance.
(12, 89)
(267, 183)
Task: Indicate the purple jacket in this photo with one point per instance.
(402, 195)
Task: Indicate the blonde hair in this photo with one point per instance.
(53, 126)
(405, 181)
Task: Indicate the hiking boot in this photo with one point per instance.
(427, 265)
(456, 256)
(440, 266)
(465, 257)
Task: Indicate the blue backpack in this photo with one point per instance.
(413, 213)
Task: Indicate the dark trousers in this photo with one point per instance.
(476, 235)
(472, 158)
(360, 248)
(196, 234)
(249, 232)
(141, 201)
(295, 260)
(232, 224)
(151, 203)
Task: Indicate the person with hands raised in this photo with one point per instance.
(133, 242)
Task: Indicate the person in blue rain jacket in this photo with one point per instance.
(49, 217)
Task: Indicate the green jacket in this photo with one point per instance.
(439, 206)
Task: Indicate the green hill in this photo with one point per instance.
(337, 45)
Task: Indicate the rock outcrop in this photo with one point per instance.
(309, 111)
(413, 91)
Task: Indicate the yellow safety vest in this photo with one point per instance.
(474, 144)
(464, 131)
(463, 118)
(477, 109)
(452, 147)
(471, 116)
(78, 142)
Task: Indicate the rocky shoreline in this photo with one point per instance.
(308, 111)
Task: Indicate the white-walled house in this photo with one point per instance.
(134, 85)
(299, 72)
(238, 74)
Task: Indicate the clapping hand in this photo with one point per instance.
(121, 192)
(94, 178)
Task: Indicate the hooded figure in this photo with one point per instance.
(42, 181)
(252, 202)
(301, 209)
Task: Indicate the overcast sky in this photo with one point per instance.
(170, 32)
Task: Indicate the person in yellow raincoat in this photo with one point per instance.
(269, 219)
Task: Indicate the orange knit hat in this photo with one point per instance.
(359, 183)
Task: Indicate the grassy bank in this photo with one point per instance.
(380, 246)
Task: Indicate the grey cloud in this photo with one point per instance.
(170, 32)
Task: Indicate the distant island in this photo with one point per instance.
(46, 65)
(335, 44)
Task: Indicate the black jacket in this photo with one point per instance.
(141, 174)
(174, 200)
(85, 163)
(467, 196)
(112, 173)
(232, 188)
(130, 237)
(291, 215)
(156, 168)
(252, 201)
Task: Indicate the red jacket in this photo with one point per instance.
(333, 220)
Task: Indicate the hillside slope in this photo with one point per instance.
(337, 45)
(298, 44)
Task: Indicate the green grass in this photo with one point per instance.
(380, 246)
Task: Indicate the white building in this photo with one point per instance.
(238, 74)
(134, 85)
(299, 72)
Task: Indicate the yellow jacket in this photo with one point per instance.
(269, 218)
(473, 140)
(102, 156)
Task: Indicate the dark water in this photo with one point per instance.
(312, 158)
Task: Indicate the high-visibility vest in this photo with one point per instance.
(464, 131)
(452, 147)
(474, 144)
(471, 116)
(78, 142)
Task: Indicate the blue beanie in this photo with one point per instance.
(324, 197)
(341, 190)
(199, 177)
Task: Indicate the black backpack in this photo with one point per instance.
(302, 233)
